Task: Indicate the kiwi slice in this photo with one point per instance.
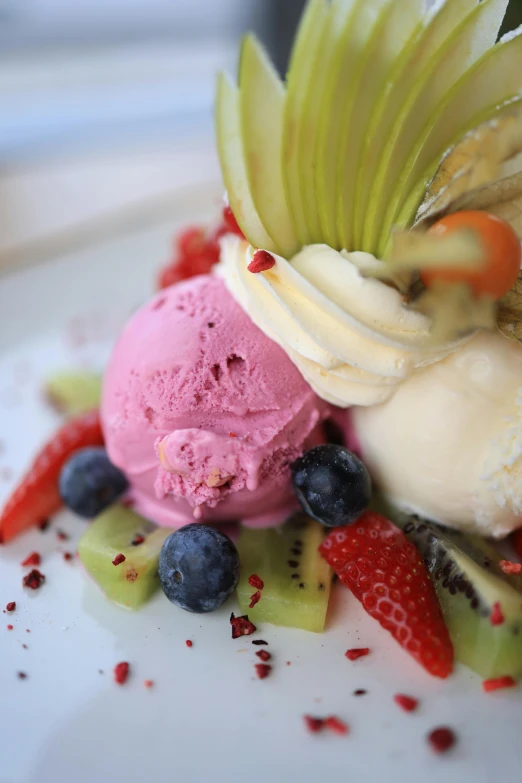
(74, 392)
(469, 583)
(120, 531)
(296, 579)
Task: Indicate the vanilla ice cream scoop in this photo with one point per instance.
(448, 444)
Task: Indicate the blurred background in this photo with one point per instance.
(106, 106)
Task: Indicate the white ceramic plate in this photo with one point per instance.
(207, 718)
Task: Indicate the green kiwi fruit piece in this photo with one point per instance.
(470, 583)
(296, 579)
(119, 531)
(72, 393)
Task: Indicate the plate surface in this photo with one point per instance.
(207, 717)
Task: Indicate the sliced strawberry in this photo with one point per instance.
(195, 254)
(36, 497)
(386, 573)
(196, 251)
(229, 219)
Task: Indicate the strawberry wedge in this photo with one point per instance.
(37, 497)
(375, 560)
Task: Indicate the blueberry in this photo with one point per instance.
(332, 485)
(198, 568)
(89, 482)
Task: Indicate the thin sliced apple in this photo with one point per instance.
(393, 24)
(299, 74)
(429, 34)
(474, 36)
(494, 80)
(338, 88)
(311, 116)
(231, 156)
(261, 107)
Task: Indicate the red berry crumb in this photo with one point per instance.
(442, 739)
(510, 568)
(496, 617)
(43, 525)
(34, 579)
(262, 670)
(336, 725)
(314, 725)
(137, 540)
(357, 652)
(119, 559)
(121, 672)
(22, 676)
(256, 581)
(68, 556)
(61, 535)
(264, 655)
(11, 606)
(261, 262)
(241, 626)
(33, 559)
(407, 703)
(254, 599)
(10, 627)
(495, 683)
(148, 683)
(189, 643)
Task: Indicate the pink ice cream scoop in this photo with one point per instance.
(205, 414)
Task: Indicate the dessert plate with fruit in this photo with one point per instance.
(264, 522)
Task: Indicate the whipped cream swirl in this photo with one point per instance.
(351, 336)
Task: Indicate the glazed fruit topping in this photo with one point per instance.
(36, 498)
(89, 482)
(332, 485)
(375, 560)
(198, 568)
(241, 626)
